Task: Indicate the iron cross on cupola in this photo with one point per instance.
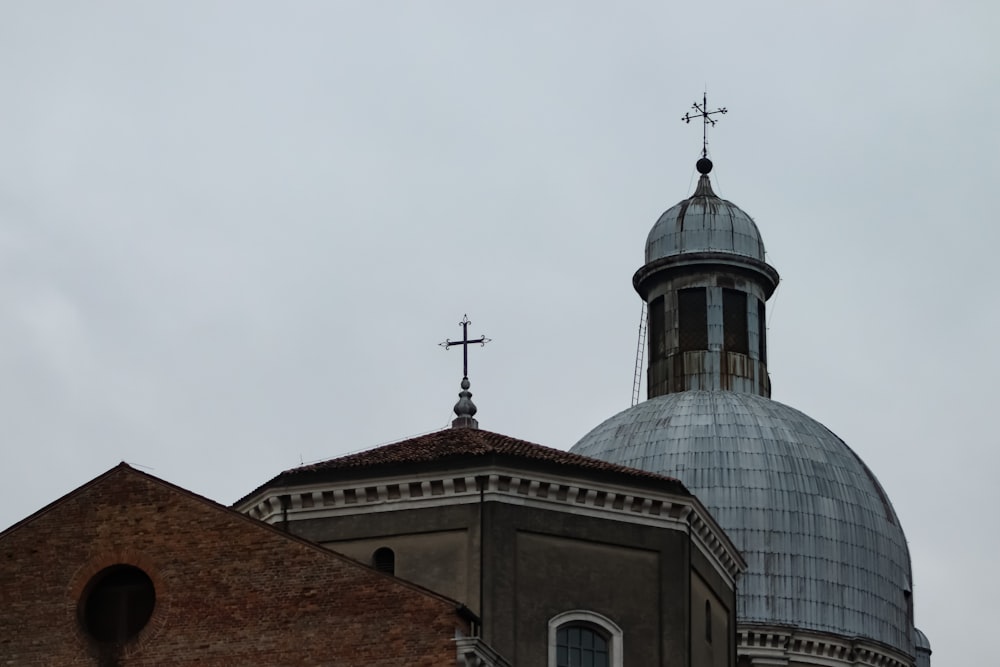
(465, 409)
(706, 120)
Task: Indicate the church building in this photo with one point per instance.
(707, 526)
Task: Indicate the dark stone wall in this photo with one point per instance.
(540, 563)
(707, 583)
(517, 566)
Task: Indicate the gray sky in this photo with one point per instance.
(233, 233)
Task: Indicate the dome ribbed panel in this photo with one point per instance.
(704, 224)
(824, 548)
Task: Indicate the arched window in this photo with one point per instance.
(384, 560)
(584, 639)
(578, 645)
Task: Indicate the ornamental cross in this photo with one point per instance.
(706, 120)
(465, 343)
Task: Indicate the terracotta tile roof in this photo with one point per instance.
(465, 443)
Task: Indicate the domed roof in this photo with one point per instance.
(824, 548)
(704, 223)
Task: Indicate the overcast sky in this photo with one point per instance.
(233, 233)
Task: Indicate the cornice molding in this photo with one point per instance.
(504, 485)
(706, 261)
(783, 646)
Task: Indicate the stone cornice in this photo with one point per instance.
(706, 260)
(505, 485)
(784, 646)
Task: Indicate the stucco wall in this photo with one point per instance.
(439, 560)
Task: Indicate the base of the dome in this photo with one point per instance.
(759, 645)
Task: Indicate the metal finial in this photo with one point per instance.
(706, 118)
(465, 409)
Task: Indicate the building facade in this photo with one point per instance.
(557, 554)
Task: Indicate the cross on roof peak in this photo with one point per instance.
(465, 409)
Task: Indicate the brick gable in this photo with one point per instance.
(229, 590)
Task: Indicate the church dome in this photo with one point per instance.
(824, 547)
(704, 222)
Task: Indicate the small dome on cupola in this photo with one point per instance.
(704, 222)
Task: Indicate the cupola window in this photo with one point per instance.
(692, 319)
(734, 321)
(761, 332)
(657, 330)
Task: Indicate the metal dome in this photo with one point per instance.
(824, 548)
(704, 223)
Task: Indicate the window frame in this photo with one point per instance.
(592, 619)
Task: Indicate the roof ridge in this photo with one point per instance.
(455, 443)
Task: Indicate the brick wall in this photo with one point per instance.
(229, 590)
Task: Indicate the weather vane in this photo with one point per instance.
(706, 118)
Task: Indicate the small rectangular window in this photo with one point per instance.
(734, 321)
(761, 333)
(692, 319)
(708, 621)
(657, 330)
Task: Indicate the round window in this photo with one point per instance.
(117, 603)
